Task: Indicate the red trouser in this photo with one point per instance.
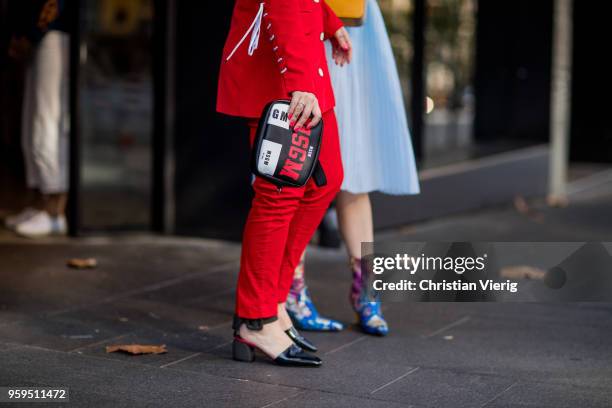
(279, 226)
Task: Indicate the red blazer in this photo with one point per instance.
(290, 56)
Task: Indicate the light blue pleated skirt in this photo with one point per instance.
(376, 148)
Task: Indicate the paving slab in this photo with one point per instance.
(315, 399)
(77, 329)
(444, 388)
(180, 346)
(481, 345)
(7, 346)
(127, 383)
(57, 334)
(219, 283)
(36, 277)
(342, 372)
(553, 396)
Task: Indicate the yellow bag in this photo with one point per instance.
(352, 12)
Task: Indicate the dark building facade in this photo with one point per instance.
(151, 153)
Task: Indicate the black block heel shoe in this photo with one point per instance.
(300, 340)
(242, 350)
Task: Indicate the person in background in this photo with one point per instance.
(377, 156)
(40, 41)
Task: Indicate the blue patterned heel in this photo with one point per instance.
(305, 316)
(371, 319)
(366, 303)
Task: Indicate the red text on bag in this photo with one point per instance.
(297, 154)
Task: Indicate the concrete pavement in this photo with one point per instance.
(55, 323)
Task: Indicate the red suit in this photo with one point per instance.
(290, 56)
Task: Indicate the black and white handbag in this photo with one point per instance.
(283, 156)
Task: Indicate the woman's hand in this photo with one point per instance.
(303, 105)
(342, 47)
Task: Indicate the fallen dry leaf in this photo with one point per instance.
(557, 202)
(522, 272)
(82, 263)
(521, 205)
(137, 349)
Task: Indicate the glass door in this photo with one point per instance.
(434, 46)
(449, 60)
(115, 114)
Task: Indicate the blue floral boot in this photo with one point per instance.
(301, 309)
(366, 303)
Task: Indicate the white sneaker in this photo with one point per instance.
(12, 221)
(42, 225)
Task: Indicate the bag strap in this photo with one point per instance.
(318, 175)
